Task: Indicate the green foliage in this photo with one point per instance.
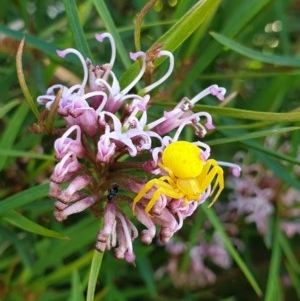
(249, 47)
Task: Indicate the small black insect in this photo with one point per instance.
(112, 193)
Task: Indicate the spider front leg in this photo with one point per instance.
(166, 188)
(210, 171)
(142, 192)
(163, 188)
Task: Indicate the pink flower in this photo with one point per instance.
(118, 232)
(65, 169)
(64, 144)
(182, 114)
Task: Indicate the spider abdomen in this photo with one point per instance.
(183, 158)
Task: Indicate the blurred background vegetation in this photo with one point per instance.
(250, 47)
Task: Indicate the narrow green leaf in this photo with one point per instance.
(63, 272)
(232, 251)
(33, 41)
(76, 28)
(81, 237)
(278, 169)
(107, 19)
(4, 109)
(251, 115)
(19, 64)
(294, 278)
(26, 224)
(288, 252)
(248, 10)
(255, 55)
(273, 277)
(233, 25)
(179, 32)
(12, 130)
(93, 276)
(147, 274)
(257, 134)
(25, 197)
(77, 291)
(271, 152)
(187, 24)
(31, 155)
(245, 114)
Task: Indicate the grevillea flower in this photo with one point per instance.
(108, 137)
(198, 273)
(257, 195)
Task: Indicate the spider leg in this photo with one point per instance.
(148, 186)
(168, 170)
(211, 171)
(166, 189)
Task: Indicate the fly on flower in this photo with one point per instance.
(112, 193)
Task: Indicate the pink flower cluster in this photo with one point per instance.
(258, 194)
(106, 140)
(197, 273)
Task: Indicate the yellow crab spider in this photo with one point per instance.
(188, 176)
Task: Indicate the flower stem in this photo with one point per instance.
(139, 21)
(22, 81)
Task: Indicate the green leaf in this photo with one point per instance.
(24, 223)
(257, 134)
(12, 130)
(270, 152)
(107, 19)
(294, 278)
(251, 115)
(233, 25)
(31, 155)
(24, 197)
(93, 276)
(285, 245)
(293, 116)
(188, 24)
(273, 285)
(147, 274)
(77, 291)
(179, 32)
(4, 109)
(278, 169)
(76, 28)
(255, 55)
(19, 65)
(82, 237)
(62, 273)
(33, 41)
(232, 251)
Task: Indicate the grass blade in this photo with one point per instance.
(12, 130)
(24, 223)
(107, 19)
(257, 134)
(24, 197)
(93, 277)
(232, 251)
(273, 277)
(255, 55)
(76, 28)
